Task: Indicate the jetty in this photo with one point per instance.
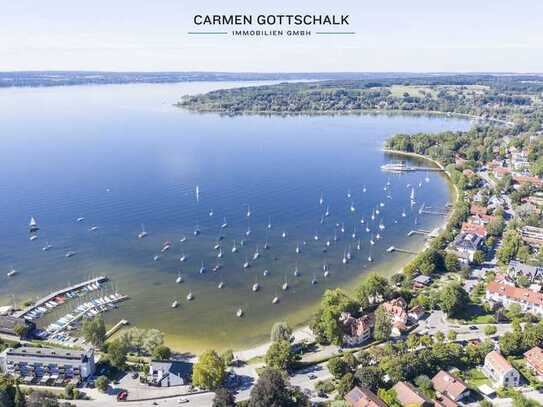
(418, 232)
(63, 291)
(392, 249)
(402, 167)
(116, 327)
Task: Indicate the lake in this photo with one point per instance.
(123, 156)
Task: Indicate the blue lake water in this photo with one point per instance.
(122, 156)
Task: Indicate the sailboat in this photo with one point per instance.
(220, 254)
(335, 237)
(373, 214)
(248, 211)
(265, 273)
(266, 245)
(248, 232)
(183, 258)
(326, 273)
(285, 285)
(197, 193)
(359, 245)
(403, 214)
(80, 219)
(321, 200)
(314, 279)
(190, 296)
(328, 243)
(342, 228)
(352, 208)
(256, 286)
(370, 259)
(269, 223)
(364, 189)
(12, 272)
(246, 265)
(381, 225)
(349, 193)
(47, 247)
(322, 220)
(368, 229)
(217, 246)
(143, 233)
(298, 250)
(362, 221)
(377, 236)
(327, 212)
(175, 304)
(275, 300)
(296, 273)
(316, 236)
(202, 268)
(224, 223)
(33, 225)
(284, 235)
(179, 278)
(412, 196)
(239, 313)
(196, 231)
(257, 254)
(344, 259)
(349, 255)
(234, 248)
(221, 284)
(354, 233)
(210, 212)
(372, 242)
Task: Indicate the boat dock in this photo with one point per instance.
(392, 249)
(434, 212)
(116, 327)
(406, 168)
(53, 295)
(418, 232)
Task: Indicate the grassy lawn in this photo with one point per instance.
(399, 90)
(474, 314)
(476, 378)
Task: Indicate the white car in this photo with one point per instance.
(182, 401)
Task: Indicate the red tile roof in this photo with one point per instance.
(522, 179)
(498, 362)
(515, 293)
(449, 385)
(474, 229)
(534, 357)
(477, 210)
(408, 395)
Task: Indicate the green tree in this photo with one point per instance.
(337, 367)
(451, 263)
(209, 371)
(383, 325)
(453, 299)
(369, 376)
(345, 385)
(228, 357)
(152, 339)
(102, 383)
(281, 331)
(94, 331)
(162, 352)
(270, 390)
(452, 335)
(19, 400)
(224, 398)
(372, 289)
(117, 351)
(279, 355)
(478, 258)
(490, 330)
(22, 330)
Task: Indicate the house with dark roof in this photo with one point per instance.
(516, 268)
(361, 396)
(168, 373)
(465, 245)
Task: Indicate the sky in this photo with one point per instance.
(390, 36)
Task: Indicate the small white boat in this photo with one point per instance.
(33, 225)
(256, 255)
(373, 215)
(381, 225)
(368, 229)
(269, 223)
(349, 255)
(156, 257)
(265, 273)
(285, 286)
(70, 254)
(217, 246)
(404, 214)
(197, 192)
(298, 250)
(248, 214)
(328, 243)
(210, 212)
(143, 233)
(11, 273)
(248, 232)
(202, 268)
(239, 313)
(316, 236)
(372, 242)
(342, 228)
(348, 193)
(33, 237)
(359, 245)
(370, 259)
(296, 272)
(183, 258)
(179, 279)
(377, 211)
(344, 259)
(220, 254)
(378, 236)
(246, 264)
(255, 287)
(321, 199)
(80, 219)
(175, 304)
(381, 204)
(47, 247)
(325, 267)
(352, 208)
(327, 212)
(284, 235)
(190, 296)
(216, 267)
(364, 189)
(362, 221)
(275, 300)
(326, 273)
(183, 239)
(221, 284)
(354, 233)
(93, 228)
(196, 231)
(314, 280)
(266, 245)
(224, 223)
(234, 248)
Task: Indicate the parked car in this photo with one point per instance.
(122, 395)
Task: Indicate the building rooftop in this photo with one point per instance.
(47, 353)
(515, 293)
(498, 362)
(408, 395)
(449, 385)
(361, 396)
(535, 358)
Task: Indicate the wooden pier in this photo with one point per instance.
(116, 327)
(392, 249)
(53, 295)
(418, 232)
(434, 212)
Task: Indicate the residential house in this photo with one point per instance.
(397, 309)
(499, 171)
(47, 366)
(528, 179)
(408, 395)
(506, 294)
(416, 313)
(478, 210)
(443, 401)
(168, 373)
(356, 330)
(465, 245)
(361, 396)
(474, 228)
(500, 371)
(516, 268)
(450, 386)
(532, 235)
(421, 281)
(534, 359)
